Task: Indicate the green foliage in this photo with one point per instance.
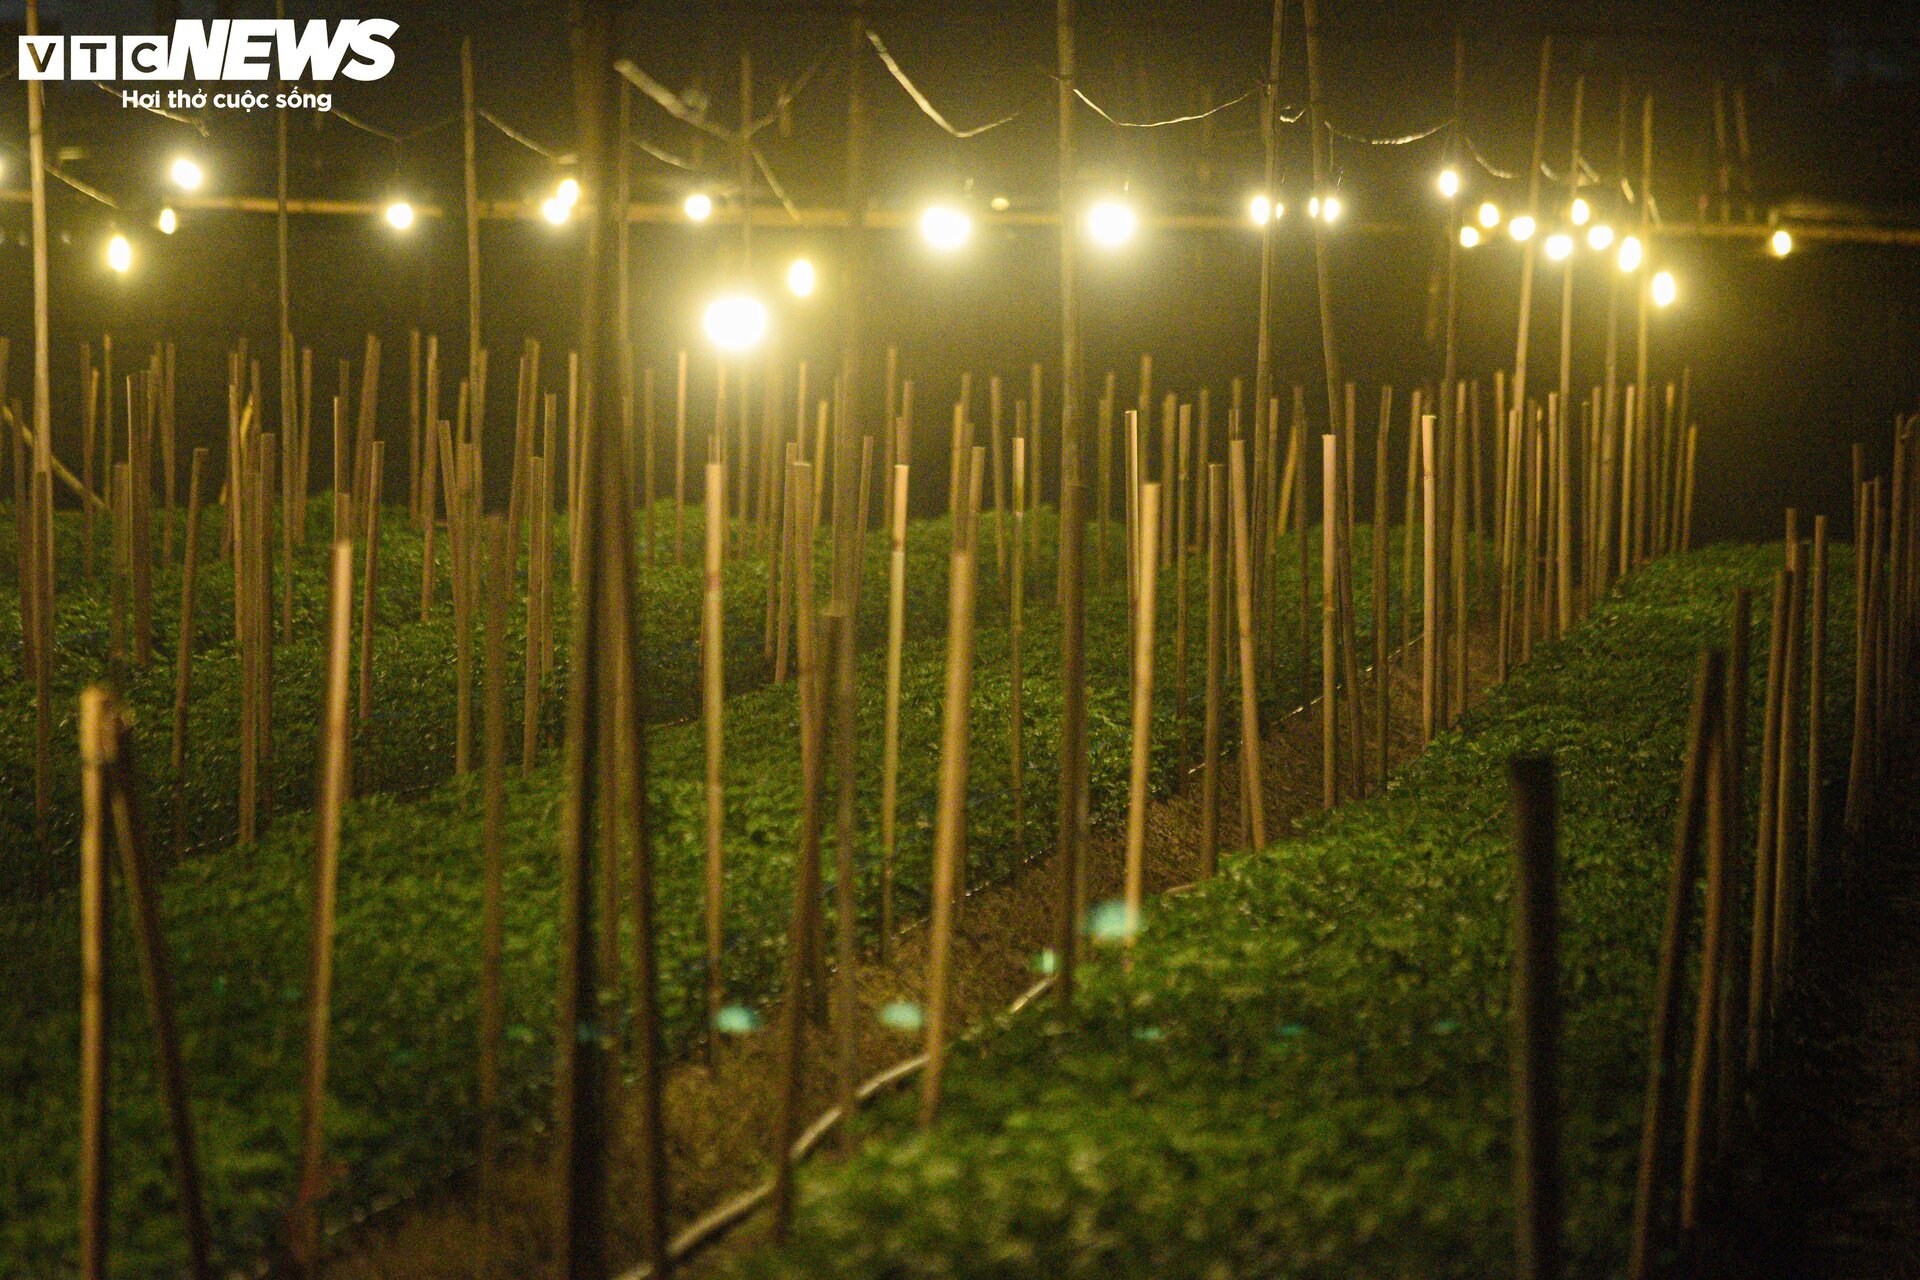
(401, 1110)
(408, 741)
(1306, 1071)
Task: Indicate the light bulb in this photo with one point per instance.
(699, 207)
(1489, 215)
(1599, 236)
(945, 227)
(399, 215)
(1449, 182)
(1521, 228)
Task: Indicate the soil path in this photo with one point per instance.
(719, 1115)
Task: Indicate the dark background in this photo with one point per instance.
(1791, 360)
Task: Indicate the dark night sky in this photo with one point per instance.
(1795, 357)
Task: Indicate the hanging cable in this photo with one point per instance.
(558, 157)
(1161, 124)
(920, 99)
(1400, 141)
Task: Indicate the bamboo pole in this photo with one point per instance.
(331, 797)
(1530, 251)
(1429, 587)
(1329, 621)
(950, 814)
(183, 652)
(1141, 759)
(492, 893)
(156, 976)
(1816, 705)
(1179, 554)
(712, 706)
(1760, 960)
(371, 585)
(679, 455)
(1016, 651)
(1655, 1172)
(1382, 609)
(1072, 794)
(890, 730)
(1730, 1054)
(1250, 769)
(839, 624)
(1788, 866)
(1702, 1121)
(1538, 1187)
(1216, 664)
(96, 750)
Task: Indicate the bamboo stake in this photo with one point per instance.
(1216, 663)
(950, 815)
(839, 623)
(1730, 1053)
(492, 893)
(1251, 773)
(332, 795)
(1429, 586)
(1382, 674)
(890, 730)
(1760, 961)
(1538, 1189)
(156, 977)
(1329, 621)
(96, 751)
(712, 706)
(1816, 704)
(369, 600)
(1654, 1169)
(1179, 554)
(679, 455)
(1701, 1121)
(1786, 859)
(183, 652)
(428, 497)
(1016, 653)
(1142, 755)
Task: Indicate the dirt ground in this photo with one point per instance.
(1835, 1191)
(719, 1114)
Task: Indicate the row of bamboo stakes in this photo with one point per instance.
(1707, 1089)
(1226, 490)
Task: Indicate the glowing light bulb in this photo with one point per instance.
(1581, 212)
(801, 278)
(119, 254)
(1664, 289)
(736, 322)
(945, 227)
(999, 204)
(1112, 223)
(186, 174)
(1558, 246)
(1781, 242)
(1521, 228)
(168, 222)
(1260, 209)
(1330, 209)
(699, 207)
(1630, 253)
(1313, 207)
(568, 192)
(400, 215)
(556, 211)
(1599, 236)
(1469, 236)
(1489, 215)
(1449, 182)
